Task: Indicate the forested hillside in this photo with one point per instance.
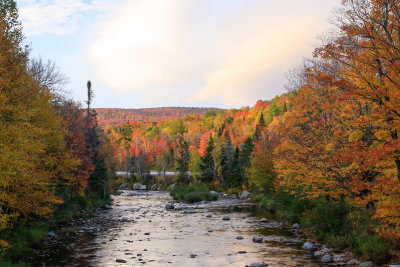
(327, 153)
(114, 116)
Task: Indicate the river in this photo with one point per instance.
(145, 233)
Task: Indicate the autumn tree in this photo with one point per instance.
(30, 132)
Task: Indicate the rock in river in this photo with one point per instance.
(226, 218)
(257, 239)
(170, 206)
(120, 260)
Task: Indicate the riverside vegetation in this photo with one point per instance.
(326, 154)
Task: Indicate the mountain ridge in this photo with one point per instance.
(115, 116)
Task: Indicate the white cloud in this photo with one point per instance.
(229, 50)
(60, 17)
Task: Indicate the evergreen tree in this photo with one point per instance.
(260, 125)
(207, 163)
(227, 152)
(98, 180)
(235, 176)
(244, 158)
(183, 161)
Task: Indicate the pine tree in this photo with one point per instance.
(259, 127)
(235, 176)
(227, 152)
(183, 161)
(207, 163)
(244, 159)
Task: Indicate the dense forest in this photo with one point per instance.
(325, 154)
(115, 116)
(54, 159)
(327, 151)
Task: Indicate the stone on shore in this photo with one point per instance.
(367, 264)
(326, 258)
(214, 193)
(296, 225)
(123, 187)
(153, 187)
(245, 194)
(309, 246)
(137, 186)
(51, 235)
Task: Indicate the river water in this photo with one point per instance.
(146, 234)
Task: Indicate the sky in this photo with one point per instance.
(196, 53)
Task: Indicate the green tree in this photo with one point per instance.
(227, 152)
(183, 161)
(234, 179)
(207, 163)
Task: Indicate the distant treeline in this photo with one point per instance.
(115, 116)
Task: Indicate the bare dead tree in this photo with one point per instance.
(48, 75)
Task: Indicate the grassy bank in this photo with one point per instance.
(192, 193)
(24, 239)
(335, 222)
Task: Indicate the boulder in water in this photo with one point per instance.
(170, 206)
(257, 239)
